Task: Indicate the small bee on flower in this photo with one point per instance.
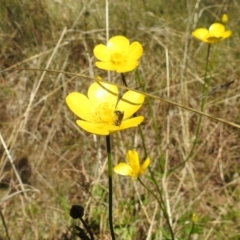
(119, 119)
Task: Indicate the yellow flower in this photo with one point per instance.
(133, 168)
(224, 18)
(118, 55)
(100, 110)
(194, 217)
(215, 33)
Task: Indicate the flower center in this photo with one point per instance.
(118, 58)
(214, 39)
(106, 114)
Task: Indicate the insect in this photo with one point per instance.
(119, 119)
(218, 88)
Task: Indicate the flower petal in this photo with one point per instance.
(102, 53)
(133, 160)
(118, 43)
(80, 105)
(100, 92)
(227, 34)
(130, 102)
(127, 67)
(144, 166)
(200, 33)
(131, 122)
(93, 128)
(135, 51)
(123, 169)
(216, 30)
(109, 66)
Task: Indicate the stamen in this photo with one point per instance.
(104, 114)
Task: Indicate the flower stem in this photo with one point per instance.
(87, 228)
(206, 80)
(191, 231)
(160, 202)
(143, 141)
(4, 224)
(124, 80)
(202, 105)
(155, 125)
(110, 194)
(162, 206)
(204, 92)
(139, 126)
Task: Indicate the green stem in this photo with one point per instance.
(87, 228)
(202, 105)
(135, 114)
(161, 202)
(206, 80)
(124, 80)
(191, 231)
(162, 206)
(143, 141)
(4, 224)
(110, 194)
(155, 125)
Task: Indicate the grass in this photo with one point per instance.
(61, 165)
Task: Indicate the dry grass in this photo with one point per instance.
(60, 165)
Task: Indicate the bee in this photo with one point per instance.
(119, 119)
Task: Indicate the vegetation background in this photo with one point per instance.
(61, 165)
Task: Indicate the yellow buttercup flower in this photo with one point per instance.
(101, 110)
(215, 33)
(194, 217)
(118, 55)
(132, 168)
